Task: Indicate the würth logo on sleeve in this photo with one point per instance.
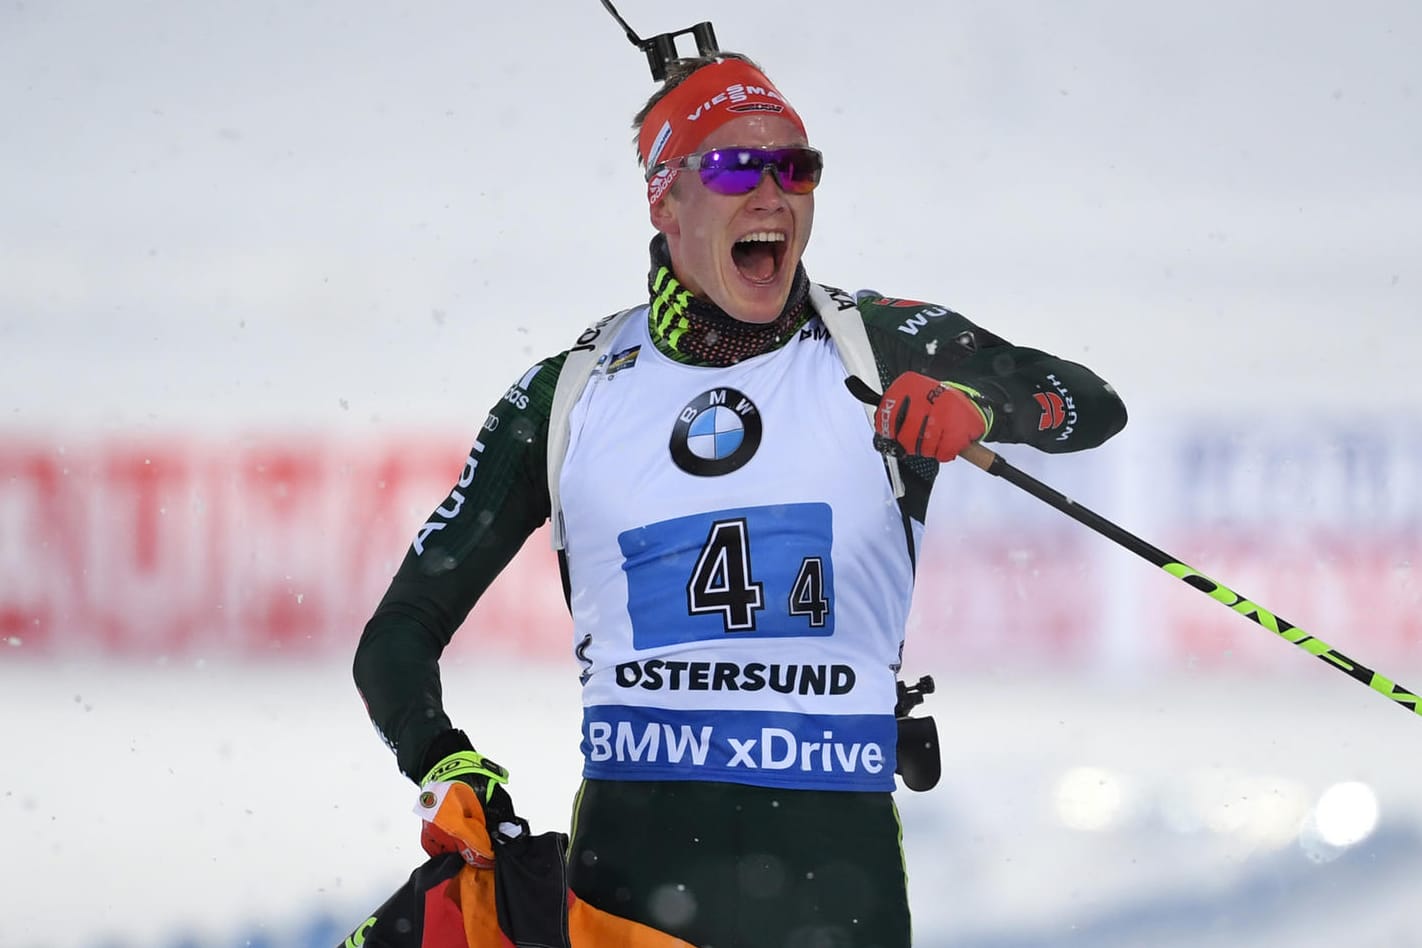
(1058, 409)
(1053, 411)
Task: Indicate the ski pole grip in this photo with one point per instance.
(978, 456)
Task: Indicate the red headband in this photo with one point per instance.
(707, 99)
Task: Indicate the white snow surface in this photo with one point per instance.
(204, 800)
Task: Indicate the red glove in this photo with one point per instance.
(927, 418)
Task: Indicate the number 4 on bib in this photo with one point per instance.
(752, 571)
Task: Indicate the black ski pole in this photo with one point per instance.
(995, 464)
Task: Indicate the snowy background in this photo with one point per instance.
(329, 230)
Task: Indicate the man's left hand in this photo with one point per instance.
(929, 418)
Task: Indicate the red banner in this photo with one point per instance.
(255, 547)
(282, 546)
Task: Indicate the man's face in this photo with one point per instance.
(739, 251)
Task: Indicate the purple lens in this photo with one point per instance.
(739, 170)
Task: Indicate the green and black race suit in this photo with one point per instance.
(502, 494)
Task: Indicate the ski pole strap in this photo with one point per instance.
(979, 400)
(466, 764)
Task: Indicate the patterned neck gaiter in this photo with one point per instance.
(690, 329)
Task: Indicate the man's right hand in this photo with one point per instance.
(486, 777)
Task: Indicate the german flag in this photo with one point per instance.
(483, 890)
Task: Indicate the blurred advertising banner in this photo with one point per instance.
(281, 546)
(255, 548)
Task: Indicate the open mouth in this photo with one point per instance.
(758, 256)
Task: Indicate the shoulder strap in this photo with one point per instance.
(846, 327)
(584, 357)
(842, 319)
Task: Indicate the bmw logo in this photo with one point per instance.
(716, 433)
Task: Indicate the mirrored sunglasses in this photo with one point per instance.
(739, 170)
